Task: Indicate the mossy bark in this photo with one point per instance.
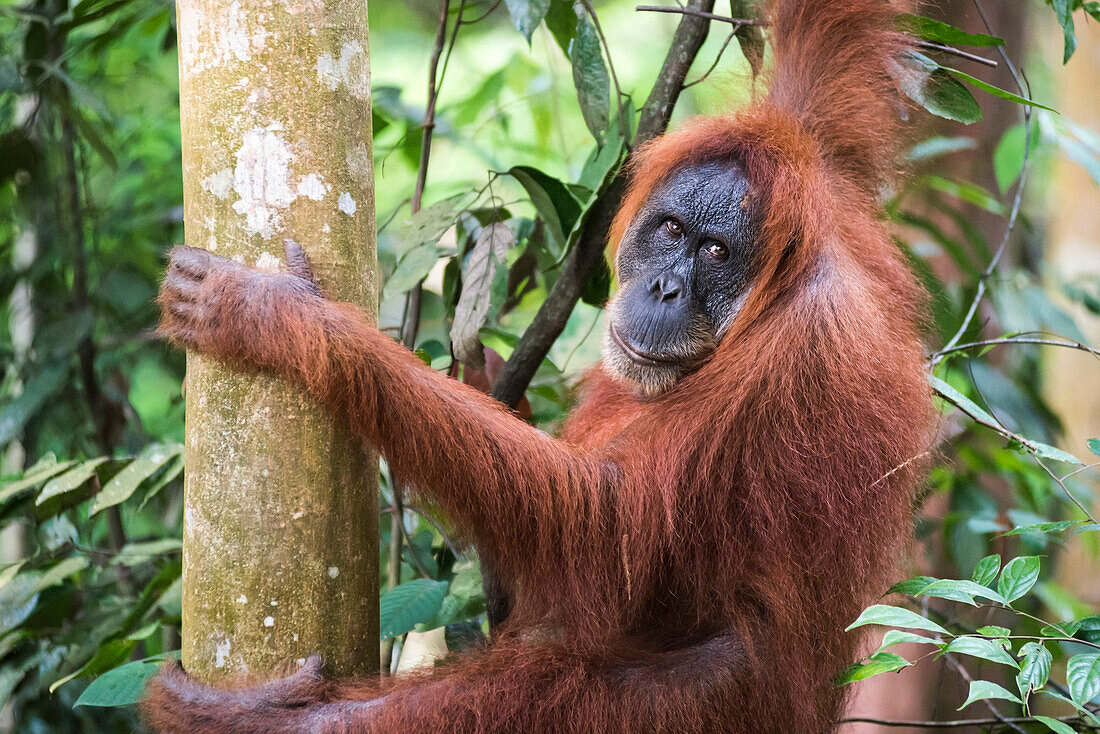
(280, 526)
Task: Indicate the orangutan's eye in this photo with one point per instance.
(715, 250)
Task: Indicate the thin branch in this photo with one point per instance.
(586, 255)
(933, 46)
(718, 57)
(1072, 640)
(1027, 443)
(481, 17)
(1085, 468)
(699, 14)
(961, 723)
(965, 674)
(410, 322)
(1065, 490)
(1016, 199)
(938, 356)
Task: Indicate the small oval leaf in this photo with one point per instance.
(1019, 575)
(895, 617)
(1083, 677)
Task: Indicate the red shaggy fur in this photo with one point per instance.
(685, 563)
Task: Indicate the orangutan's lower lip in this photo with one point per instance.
(643, 358)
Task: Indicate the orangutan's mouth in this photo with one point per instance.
(638, 356)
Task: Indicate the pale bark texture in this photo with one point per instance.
(280, 522)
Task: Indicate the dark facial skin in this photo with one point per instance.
(685, 265)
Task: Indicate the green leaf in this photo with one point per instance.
(1063, 9)
(556, 205)
(132, 554)
(1088, 628)
(18, 598)
(527, 14)
(923, 81)
(986, 570)
(428, 225)
(940, 32)
(15, 414)
(123, 484)
(1041, 527)
(1086, 713)
(465, 597)
(1083, 677)
(1008, 157)
(1059, 727)
(963, 591)
(749, 37)
(992, 630)
(413, 602)
(412, 269)
(966, 191)
(979, 647)
(1094, 446)
(43, 469)
(960, 401)
(59, 572)
(937, 146)
(996, 91)
(982, 689)
(880, 662)
(604, 158)
(1018, 576)
(590, 75)
(122, 686)
(1050, 452)
(562, 22)
(897, 637)
(1059, 629)
(110, 654)
(891, 616)
(70, 481)
(911, 585)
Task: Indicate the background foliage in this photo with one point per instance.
(529, 134)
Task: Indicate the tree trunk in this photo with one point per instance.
(280, 520)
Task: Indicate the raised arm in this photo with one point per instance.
(501, 480)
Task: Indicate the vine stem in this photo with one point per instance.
(410, 321)
(1016, 199)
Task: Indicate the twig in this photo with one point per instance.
(699, 14)
(960, 723)
(1061, 483)
(962, 671)
(938, 356)
(481, 17)
(1086, 467)
(410, 322)
(1026, 443)
(1072, 640)
(718, 57)
(933, 46)
(1016, 199)
(581, 262)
